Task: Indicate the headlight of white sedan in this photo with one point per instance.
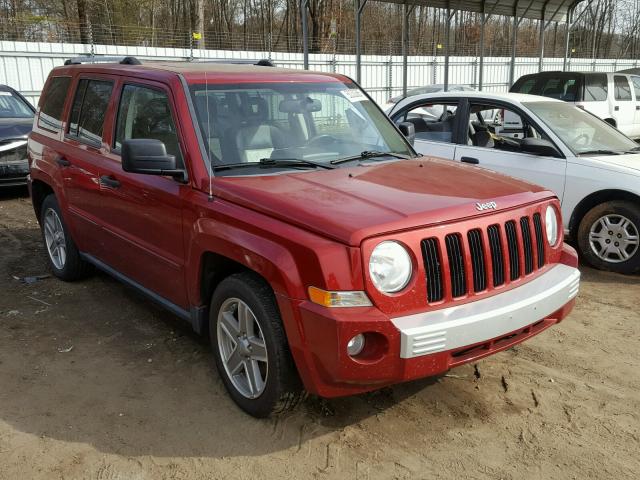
(551, 221)
(390, 267)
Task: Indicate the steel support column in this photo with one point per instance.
(305, 32)
(541, 38)
(514, 45)
(407, 10)
(359, 4)
(447, 33)
(566, 40)
(482, 24)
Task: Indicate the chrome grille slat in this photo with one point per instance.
(478, 261)
(497, 255)
(512, 246)
(537, 225)
(456, 265)
(433, 268)
(525, 229)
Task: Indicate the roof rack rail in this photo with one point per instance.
(241, 61)
(102, 59)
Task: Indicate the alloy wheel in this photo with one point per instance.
(242, 348)
(55, 239)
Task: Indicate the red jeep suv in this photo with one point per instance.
(282, 214)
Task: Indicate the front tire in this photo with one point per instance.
(250, 346)
(609, 237)
(64, 258)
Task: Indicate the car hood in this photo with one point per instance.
(11, 128)
(630, 160)
(350, 204)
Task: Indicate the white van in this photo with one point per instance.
(614, 97)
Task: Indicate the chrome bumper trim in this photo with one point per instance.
(475, 322)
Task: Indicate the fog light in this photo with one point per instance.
(355, 345)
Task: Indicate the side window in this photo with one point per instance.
(621, 88)
(595, 87)
(499, 128)
(145, 113)
(89, 108)
(55, 95)
(526, 86)
(432, 122)
(636, 87)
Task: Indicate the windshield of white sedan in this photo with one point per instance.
(582, 132)
(292, 125)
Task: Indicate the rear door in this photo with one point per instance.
(81, 155)
(624, 110)
(495, 133)
(142, 214)
(436, 125)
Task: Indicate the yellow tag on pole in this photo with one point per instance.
(439, 46)
(196, 35)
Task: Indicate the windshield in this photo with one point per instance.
(12, 106)
(313, 122)
(579, 130)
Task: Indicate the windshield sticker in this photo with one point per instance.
(354, 95)
(5, 94)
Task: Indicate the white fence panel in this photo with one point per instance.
(25, 66)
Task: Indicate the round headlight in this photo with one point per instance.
(551, 221)
(390, 267)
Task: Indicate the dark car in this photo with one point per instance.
(16, 120)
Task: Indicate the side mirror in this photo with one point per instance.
(539, 146)
(149, 156)
(408, 129)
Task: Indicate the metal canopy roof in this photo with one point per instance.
(550, 10)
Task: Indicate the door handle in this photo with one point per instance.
(616, 108)
(109, 181)
(471, 160)
(63, 162)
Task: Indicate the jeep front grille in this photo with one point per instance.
(482, 258)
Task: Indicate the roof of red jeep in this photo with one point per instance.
(213, 72)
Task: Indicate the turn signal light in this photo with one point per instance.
(338, 299)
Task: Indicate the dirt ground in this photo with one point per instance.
(98, 383)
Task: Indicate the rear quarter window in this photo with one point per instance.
(595, 88)
(55, 94)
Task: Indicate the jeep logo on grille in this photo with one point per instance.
(486, 206)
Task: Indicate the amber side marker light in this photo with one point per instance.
(338, 299)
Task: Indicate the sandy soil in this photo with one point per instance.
(97, 383)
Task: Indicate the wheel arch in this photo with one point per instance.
(595, 199)
(39, 191)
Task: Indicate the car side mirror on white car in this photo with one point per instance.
(539, 146)
(408, 129)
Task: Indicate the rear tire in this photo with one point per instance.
(609, 237)
(250, 346)
(64, 258)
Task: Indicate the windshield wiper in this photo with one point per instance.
(274, 162)
(599, 152)
(369, 154)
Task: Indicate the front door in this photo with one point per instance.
(495, 134)
(142, 214)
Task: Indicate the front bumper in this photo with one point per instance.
(14, 173)
(429, 343)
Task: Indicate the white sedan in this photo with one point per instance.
(593, 168)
